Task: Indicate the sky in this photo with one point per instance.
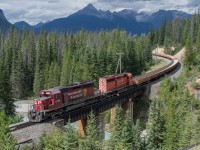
(35, 11)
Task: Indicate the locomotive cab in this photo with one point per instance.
(47, 101)
(37, 110)
(130, 79)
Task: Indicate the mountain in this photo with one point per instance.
(157, 18)
(4, 24)
(39, 25)
(23, 25)
(91, 19)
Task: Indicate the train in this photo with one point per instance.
(59, 100)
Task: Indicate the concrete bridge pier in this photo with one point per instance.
(81, 127)
(100, 120)
(100, 123)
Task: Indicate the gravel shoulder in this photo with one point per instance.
(33, 132)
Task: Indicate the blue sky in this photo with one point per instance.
(35, 11)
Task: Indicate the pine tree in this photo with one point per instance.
(92, 141)
(186, 132)
(52, 141)
(116, 132)
(16, 68)
(136, 131)
(7, 142)
(70, 139)
(41, 60)
(126, 139)
(197, 128)
(189, 55)
(66, 67)
(28, 61)
(156, 127)
(19, 89)
(5, 91)
(162, 32)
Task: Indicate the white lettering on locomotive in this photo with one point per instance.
(76, 96)
(76, 92)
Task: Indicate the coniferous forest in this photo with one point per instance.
(34, 62)
(30, 62)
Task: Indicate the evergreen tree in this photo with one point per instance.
(41, 60)
(92, 141)
(70, 139)
(162, 33)
(19, 89)
(116, 131)
(126, 130)
(7, 142)
(52, 141)
(156, 127)
(28, 59)
(136, 131)
(197, 128)
(16, 68)
(188, 60)
(66, 67)
(186, 133)
(5, 91)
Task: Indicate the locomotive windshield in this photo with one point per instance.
(45, 94)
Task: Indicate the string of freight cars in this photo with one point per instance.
(59, 100)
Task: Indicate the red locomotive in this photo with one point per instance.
(112, 82)
(58, 100)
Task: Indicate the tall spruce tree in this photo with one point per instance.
(41, 60)
(116, 131)
(7, 142)
(188, 60)
(52, 141)
(5, 91)
(70, 138)
(126, 132)
(156, 127)
(136, 140)
(92, 140)
(162, 32)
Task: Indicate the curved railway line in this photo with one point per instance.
(143, 79)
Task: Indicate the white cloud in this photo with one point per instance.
(145, 5)
(34, 11)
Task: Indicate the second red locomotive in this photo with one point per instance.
(112, 82)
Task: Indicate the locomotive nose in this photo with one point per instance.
(34, 116)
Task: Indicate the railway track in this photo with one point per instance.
(21, 125)
(24, 142)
